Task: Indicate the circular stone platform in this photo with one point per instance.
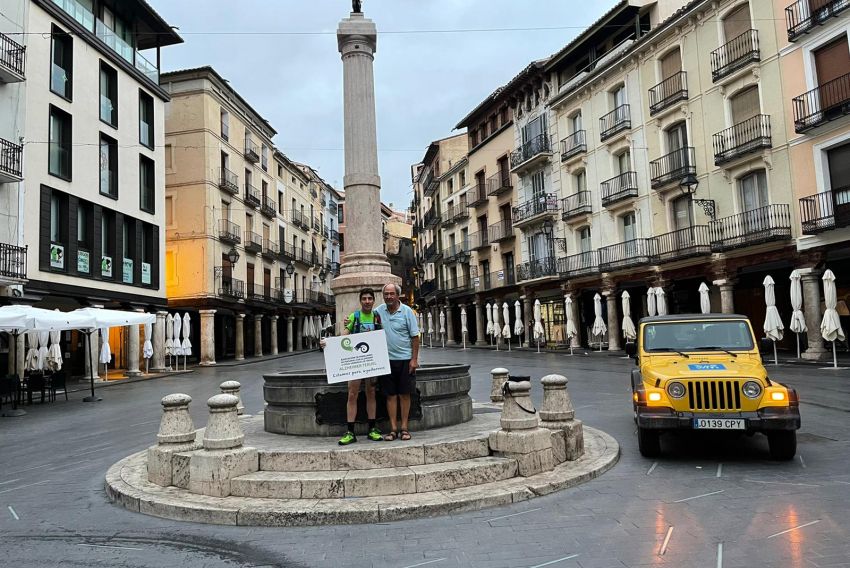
(313, 481)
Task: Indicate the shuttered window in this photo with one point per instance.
(745, 105)
(832, 60)
(671, 64)
(737, 22)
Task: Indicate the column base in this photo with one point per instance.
(157, 369)
(816, 355)
(239, 358)
(207, 364)
(132, 374)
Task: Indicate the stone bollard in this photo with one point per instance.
(223, 457)
(176, 434)
(232, 387)
(520, 438)
(499, 378)
(558, 416)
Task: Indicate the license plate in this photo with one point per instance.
(720, 423)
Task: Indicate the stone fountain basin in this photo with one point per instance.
(302, 403)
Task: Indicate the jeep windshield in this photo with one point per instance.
(675, 336)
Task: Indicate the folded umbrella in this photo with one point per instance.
(629, 331)
(147, 348)
(830, 326)
(538, 332)
(43, 339)
(54, 353)
(571, 324)
(704, 300)
(773, 325)
(186, 345)
(651, 306)
(177, 323)
(798, 320)
(661, 301)
(518, 328)
(599, 328)
(442, 321)
(497, 329)
(489, 319)
(169, 332)
(105, 351)
(506, 315)
(32, 353)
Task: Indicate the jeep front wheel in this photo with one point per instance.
(783, 444)
(649, 443)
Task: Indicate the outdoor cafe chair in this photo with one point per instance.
(36, 383)
(57, 382)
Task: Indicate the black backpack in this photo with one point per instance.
(357, 321)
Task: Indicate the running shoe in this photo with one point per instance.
(375, 435)
(348, 438)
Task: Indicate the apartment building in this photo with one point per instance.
(90, 110)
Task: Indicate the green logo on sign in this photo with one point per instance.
(346, 344)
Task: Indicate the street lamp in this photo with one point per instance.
(463, 257)
(549, 229)
(689, 186)
(233, 255)
(322, 275)
(290, 269)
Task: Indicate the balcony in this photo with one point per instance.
(498, 279)
(432, 253)
(427, 288)
(617, 120)
(253, 242)
(683, 243)
(12, 59)
(619, 188)
(828, 102)
(540, 268)
(762, 225)
(314, 259)
(573, 145)
(668, 92)
(576, 205)
(228, 181)
(532, 152)
(432, 218)
(803, 15)
(735, 54)
(458, 252)
(535, 210)
(629, 254)
(744, 138)
(302, 256)
(826, 210)
(271, 250)
(317, 225)
(577, 265)
(252, 151)
(253, 197)
(326, 232)
(287, 252)
(673, 167)
(477, 195)
(431, 182)
(499, 183)
(479, 240)
(10, 162)
(453, 214)
(458, 286)
(229, 232)
(13, 263)
(501, 231)
(258, 293)
(268, 207)
(334, 235)
(231, 287)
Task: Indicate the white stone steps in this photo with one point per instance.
(340, 484)
(374, 455)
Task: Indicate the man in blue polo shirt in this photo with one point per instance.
(402, 331)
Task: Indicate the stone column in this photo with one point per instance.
(527, 315)
(557, 414)
(207, 337)
(299, 333)
(450, 327)
(613, 321)
(19, 362)
(258, 335)
(233, 387)
(811, 280)
(274, 334)
(519, 437)
(158, 359)
(498, 377)
(480, 338)
(176, 434)
(289, 345)
(727, 297)
(240, 337)
(133, 351)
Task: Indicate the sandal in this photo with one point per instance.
(405, 435)
(390, 437)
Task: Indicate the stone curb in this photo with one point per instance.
(126, 484)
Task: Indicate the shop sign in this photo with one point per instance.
(83, 259)
(106, 266)
(57, 256)
(146, 273)
(127, 272)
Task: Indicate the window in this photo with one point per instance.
(340, 215)
(280, 171)
(169, 211)
(264, 159)
(671, 64)
(538, 187)
(107, 224)
(753, 191)
(61, 63)
(618, 96)
(59, 145)
(108, 166)
(627, 222)
(575, 123)
(832, 62)
(584, 240)
(451, 186)
(682, 213)
(169, 159)
(534, 128)
(85, 238)
(58, 230)
(677, 137)
(580, 181)
(280, 202)
(737, 22)
(503, 116)
(149, 251)
(225, 124)
(108, 95)
(463, 178)
(264, 189)
(745, 105)
(624, 162)
(146, 119)
(147, 185)
(127, 251)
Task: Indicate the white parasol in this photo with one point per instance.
(651, 307)
(443, 327)
(186, 345)
(489, 319)
(421, 322)
(43, 339)
(54, 353)
(169, 331)
(518, 327)
(538, 332)
(798, 320)
(147, 347)
(431, 328)
(773, 325)
(599, 327)
(105, 351)
(308, 327)
(463, 330)
(830, 326)
(506, 330)
(629, 331)
(571, 325)
(704, 300)
(661, 301)
(32, 352)
(497, 329)
(177, 324)
(328, 323)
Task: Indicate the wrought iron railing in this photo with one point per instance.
(499, 183)
(252, 151)
(228, 181)
(539, 268)
(765, 224)
(253, 241)
(431, 181)
(229, 232)
(271, 249)
(615, 121)
(335, 235)
(10, 159)
(13, 261)
(735, 54)
(431, 253)
(635, 252)
(427, 287)
(456, 252)
(575, 205)
(530, 149)
(825, 210)
(580, 264)
(672, 167)
(498, 279)
(500, 231)
(669, 91)
(479, 240)
(573, 144)
(253, 196)
(618, 188)
(231, 287)
(540, 205)
(827, 102)
(268, 206)
(458, 285)
(287, 252)
(743, 138)
(803, 15)
(432, 218)
(12, 55)
(477, 194)
(683, 243)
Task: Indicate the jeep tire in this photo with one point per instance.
(649, 442)
(783, 444)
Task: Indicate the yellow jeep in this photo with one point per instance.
(704, 372)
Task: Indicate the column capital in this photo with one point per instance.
(290, 318)
(810, 273)
(275, 317)
(240, 316)
(207, 312)
(258, 317)
(162, 313)
(724, 282)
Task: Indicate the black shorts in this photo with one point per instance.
(399, 381)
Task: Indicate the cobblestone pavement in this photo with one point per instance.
(705, 503)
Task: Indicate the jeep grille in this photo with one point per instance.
(714, 395)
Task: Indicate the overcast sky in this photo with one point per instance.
(426, 77)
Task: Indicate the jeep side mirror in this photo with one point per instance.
(765, 346)
(631, 349)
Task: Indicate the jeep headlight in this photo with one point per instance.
(676, 389)
(751, 389)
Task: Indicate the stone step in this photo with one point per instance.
(366, 455)
(402, 480)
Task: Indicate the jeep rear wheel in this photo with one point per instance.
(783, 444)
(649, 443)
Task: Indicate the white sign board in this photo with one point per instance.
(357, 356)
